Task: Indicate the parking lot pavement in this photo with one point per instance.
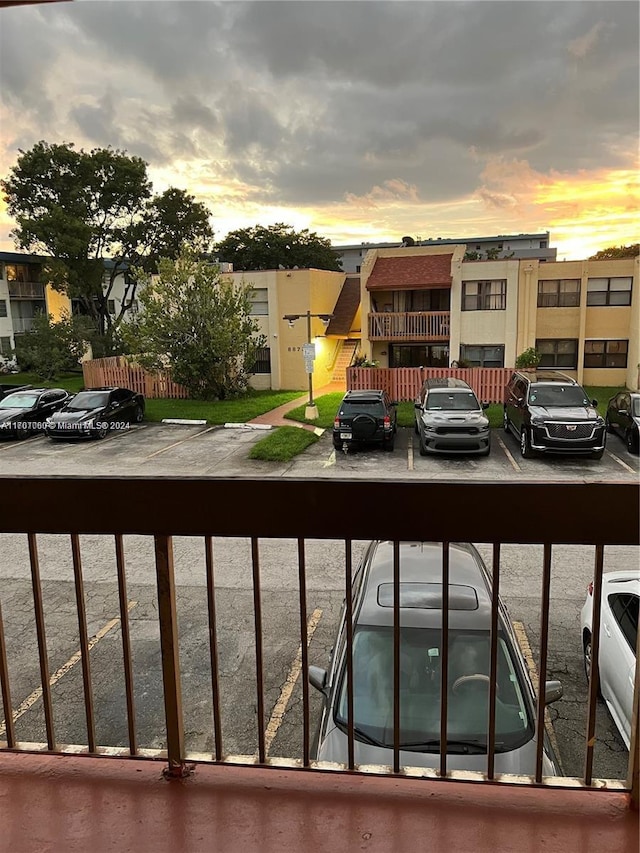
(169, 449)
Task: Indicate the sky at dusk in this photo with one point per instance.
(363, 121)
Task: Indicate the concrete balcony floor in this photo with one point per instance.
(69, 803)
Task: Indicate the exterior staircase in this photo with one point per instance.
(344, 359)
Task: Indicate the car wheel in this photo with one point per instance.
(485, 452)
(525, 444)
(607, 424)
(388, 444)
(102, 431)
(422, 445)
(598, 454)
(505, 421)
(586, 648)
(633, 444)
(138, 414)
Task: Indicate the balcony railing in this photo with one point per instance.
(261, 510)
(22, 324)
(409, 326)
(26, 290)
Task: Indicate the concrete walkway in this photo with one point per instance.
(276, 417)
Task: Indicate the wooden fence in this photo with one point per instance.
(101, 372)
(404, 383)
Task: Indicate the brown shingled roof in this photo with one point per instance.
(415, 271)
(345, 308)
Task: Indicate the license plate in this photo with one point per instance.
(345, 435)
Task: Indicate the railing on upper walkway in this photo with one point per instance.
(547, 513)
(26, 290)
(409, 326)
(404, 383)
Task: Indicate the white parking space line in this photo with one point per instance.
(280, 708)
(176, 443)
(410, 453)
(115, 434)
(525, 648)
(64, 669)
(20, 442)
(620, 462)
(508, 454)
(331, 460)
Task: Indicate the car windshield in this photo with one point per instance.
(635, 406)
(447, 401)
(558, 395)
(359, 407)
(19, 401)
(420, 674)
(86, 400)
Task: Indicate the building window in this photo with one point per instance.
(259, 302)
(111, 306)
(486, 355)
(605, 353)
(23, 272)
(358, 268)
(559, 293)
(3, 307)
(609, 291)
(558, 352)
(263, 361)
(484, 295)
(5, 347)
(543, 244)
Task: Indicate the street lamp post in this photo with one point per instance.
(311, 412)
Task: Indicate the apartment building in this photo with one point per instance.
(428, 306)
(519, 246)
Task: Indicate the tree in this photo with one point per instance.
(81, 208)
(528, 358)
(51, 348)
(197, 323)
(277, 247)
(614, 252)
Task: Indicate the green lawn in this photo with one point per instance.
(220, 411)
(283, 444)
(71, 382)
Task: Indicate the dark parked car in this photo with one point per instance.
(549, 412)
(623, 417)
(450, 419)
(25, 412)
(7, 388)
(95, 412)
(365, 417)
(421, 651)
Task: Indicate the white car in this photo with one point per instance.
(618, 637)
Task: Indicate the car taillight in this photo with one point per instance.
(387, 421)
(336, 423)
(590, 588)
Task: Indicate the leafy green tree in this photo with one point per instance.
(198, 324)
(614, 252)
(51, 348)
(81, 208)
(528, 358)
(277, 247)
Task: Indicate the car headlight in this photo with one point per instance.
(537, 421)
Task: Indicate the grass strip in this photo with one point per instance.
(283, 444)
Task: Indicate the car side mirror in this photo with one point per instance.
(594, 403)
(486, 405)
(519, 401)
(417, 406)
(394, 402)
(552, 692)
(623, 412)
(319, 677)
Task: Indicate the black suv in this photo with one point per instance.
(365, 417)
(548, 411)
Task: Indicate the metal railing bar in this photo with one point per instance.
(84, 642)
(348, 615)
(444, 660)
(542, 668)
(126, 643)
(633, 768)
(213, 647)
(594, 674)
(304, 647)
(493, 677)
(396, 656)
(6, 690)
(257, 613)
(42, 639)
(170, 655)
